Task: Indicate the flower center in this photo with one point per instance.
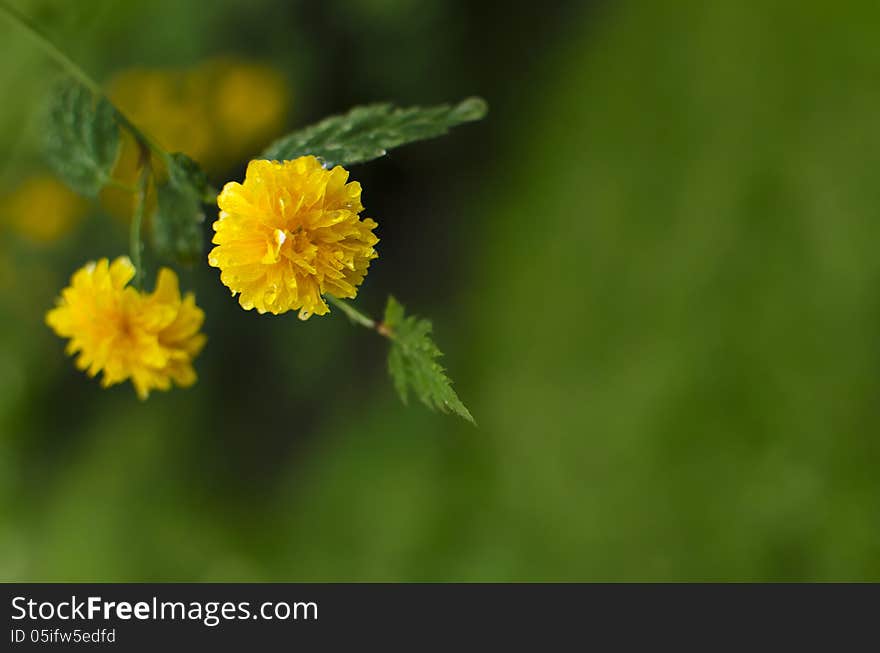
(286, 243)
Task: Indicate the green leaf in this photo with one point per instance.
(183, 171)
(412, 362)
(368, 132)
(177, 223)
(82, 137)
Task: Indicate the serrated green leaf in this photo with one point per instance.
(82, 138)
(184, 172)
(412, 362)
(368, 132)
(177, 223)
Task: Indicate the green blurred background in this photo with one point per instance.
(653, 268)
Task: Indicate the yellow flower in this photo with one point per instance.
(217, 111)
(249, 103)
(150, 338)
(43, 209)
(170, 106)
(290, 234)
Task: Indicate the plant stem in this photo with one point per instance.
(137, 219)
(77, 73)
(353, 314)
(115, 183)
(50, 48)
(143, 138)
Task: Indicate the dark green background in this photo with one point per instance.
(653, 268)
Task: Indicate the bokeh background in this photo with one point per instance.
(654, 269)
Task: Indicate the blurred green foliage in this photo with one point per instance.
(653, 269)
(82, 141)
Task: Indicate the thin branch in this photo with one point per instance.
(50, 48)
(353, 314)
(137, 219)
(79, 74)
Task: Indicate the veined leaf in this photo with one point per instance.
(177, 230)
(412, 362)
(368, 132)
(183, 171)
(82, 138)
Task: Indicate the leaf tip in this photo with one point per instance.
(471, 109)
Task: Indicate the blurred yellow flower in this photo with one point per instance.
(42, 209)
(149, 338)
(249, 102)
(170, 106)
(217, 112)
(290, 234)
